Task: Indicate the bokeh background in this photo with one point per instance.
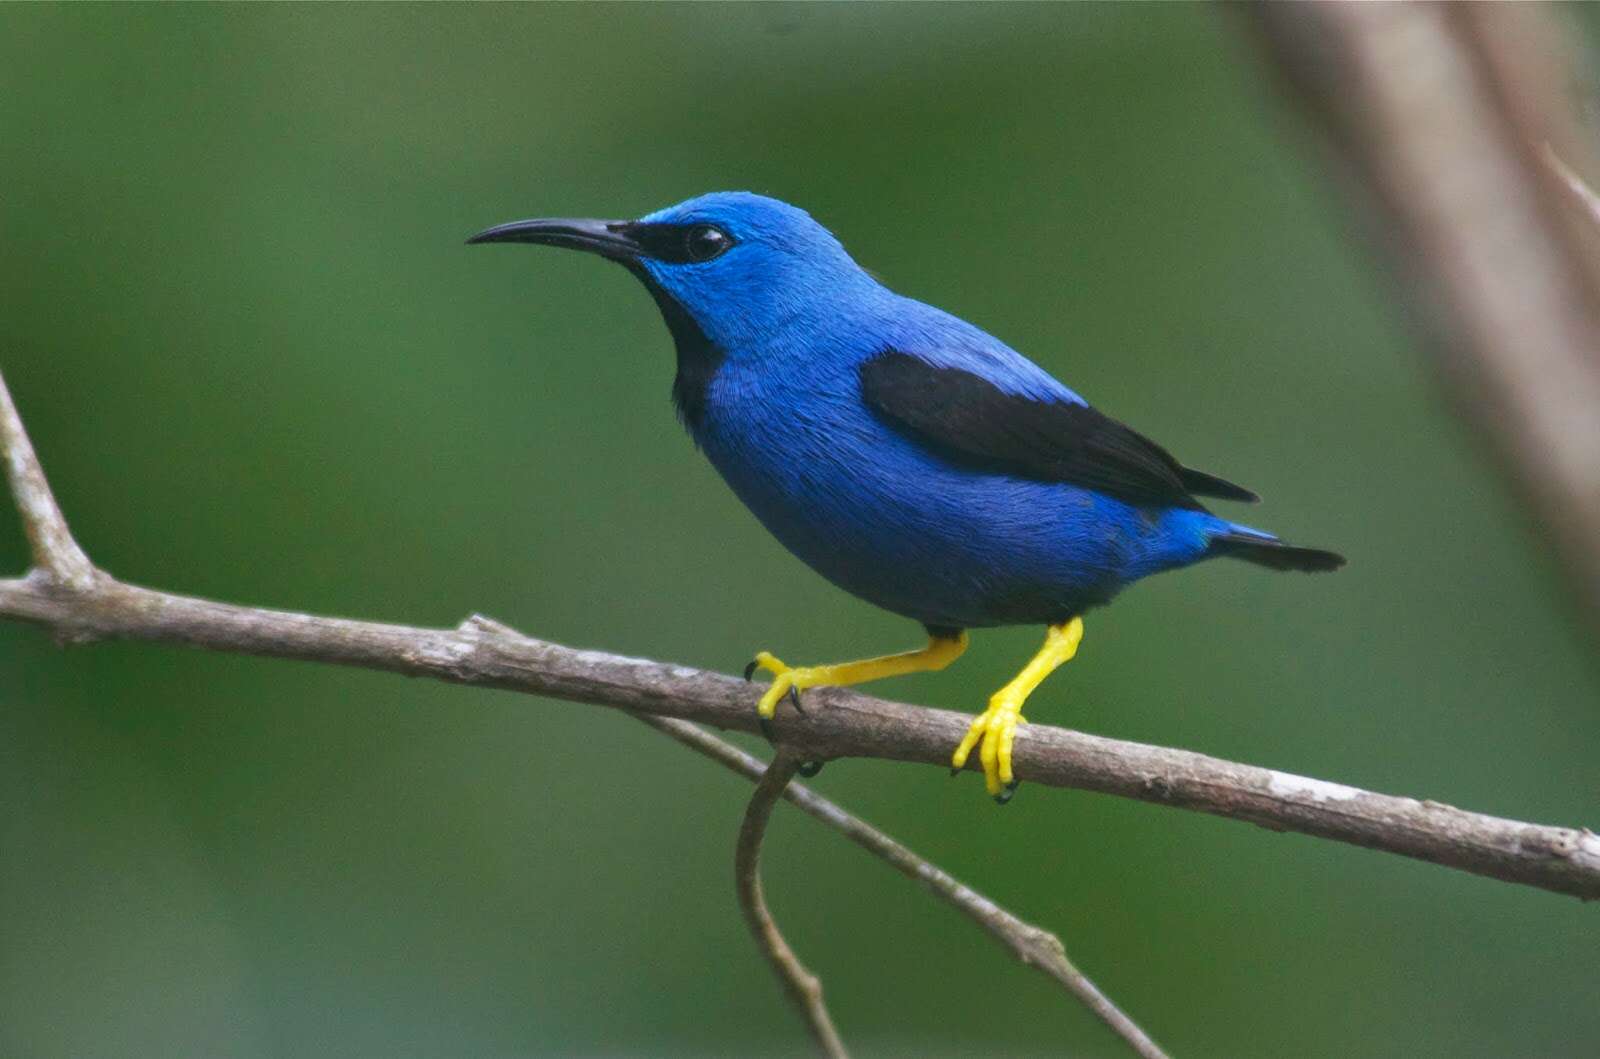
(260, 365)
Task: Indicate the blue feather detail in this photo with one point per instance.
(770, 385)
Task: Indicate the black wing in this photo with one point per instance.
(968, 420)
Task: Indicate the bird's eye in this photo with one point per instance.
(704, 242)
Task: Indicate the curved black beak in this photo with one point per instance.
(607, 238)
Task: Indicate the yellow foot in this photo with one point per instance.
(790, 681)
(993, 732)
(786, 680)
(942, 649)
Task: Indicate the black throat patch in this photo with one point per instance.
(698, 356)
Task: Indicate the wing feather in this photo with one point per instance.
(970, 421)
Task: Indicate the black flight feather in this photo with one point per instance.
(1202, 484)
(1275, 555)
(968, 420)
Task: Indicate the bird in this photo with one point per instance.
(909, 457)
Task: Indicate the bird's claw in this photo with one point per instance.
(794, 690)
(991, 733)
(787, 682)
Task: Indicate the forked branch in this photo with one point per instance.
(1032, 945)
(62, 569)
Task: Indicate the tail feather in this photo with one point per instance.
(1275, 554)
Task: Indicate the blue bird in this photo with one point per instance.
(905, 455)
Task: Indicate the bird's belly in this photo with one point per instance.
(909, 533)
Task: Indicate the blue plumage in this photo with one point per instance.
(790, 320)
(907, 456)
(885, 519)
(774, 327)
(792, 294)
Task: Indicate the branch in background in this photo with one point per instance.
(1582, 194)
(1030, 944)
(1446, 112)
(802, 986)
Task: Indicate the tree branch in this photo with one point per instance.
(1033, 945)
(1030, 944)
(55, 553)
(60, 564)
(843, 724)
(803, 987)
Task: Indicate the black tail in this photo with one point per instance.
(1275, 555)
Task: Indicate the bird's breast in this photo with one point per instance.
(893, 523)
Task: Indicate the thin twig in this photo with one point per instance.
(845, 724)
(803, 987)
(55, 553)
(1032, 945)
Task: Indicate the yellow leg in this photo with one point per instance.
(997, 726)
(940, 652)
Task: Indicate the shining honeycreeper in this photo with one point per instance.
(904, 454)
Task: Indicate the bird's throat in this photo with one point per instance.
(698, 356)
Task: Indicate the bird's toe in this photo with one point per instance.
(992, 733)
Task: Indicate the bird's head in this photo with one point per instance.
(739, 265)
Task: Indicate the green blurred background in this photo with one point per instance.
(259, 364)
